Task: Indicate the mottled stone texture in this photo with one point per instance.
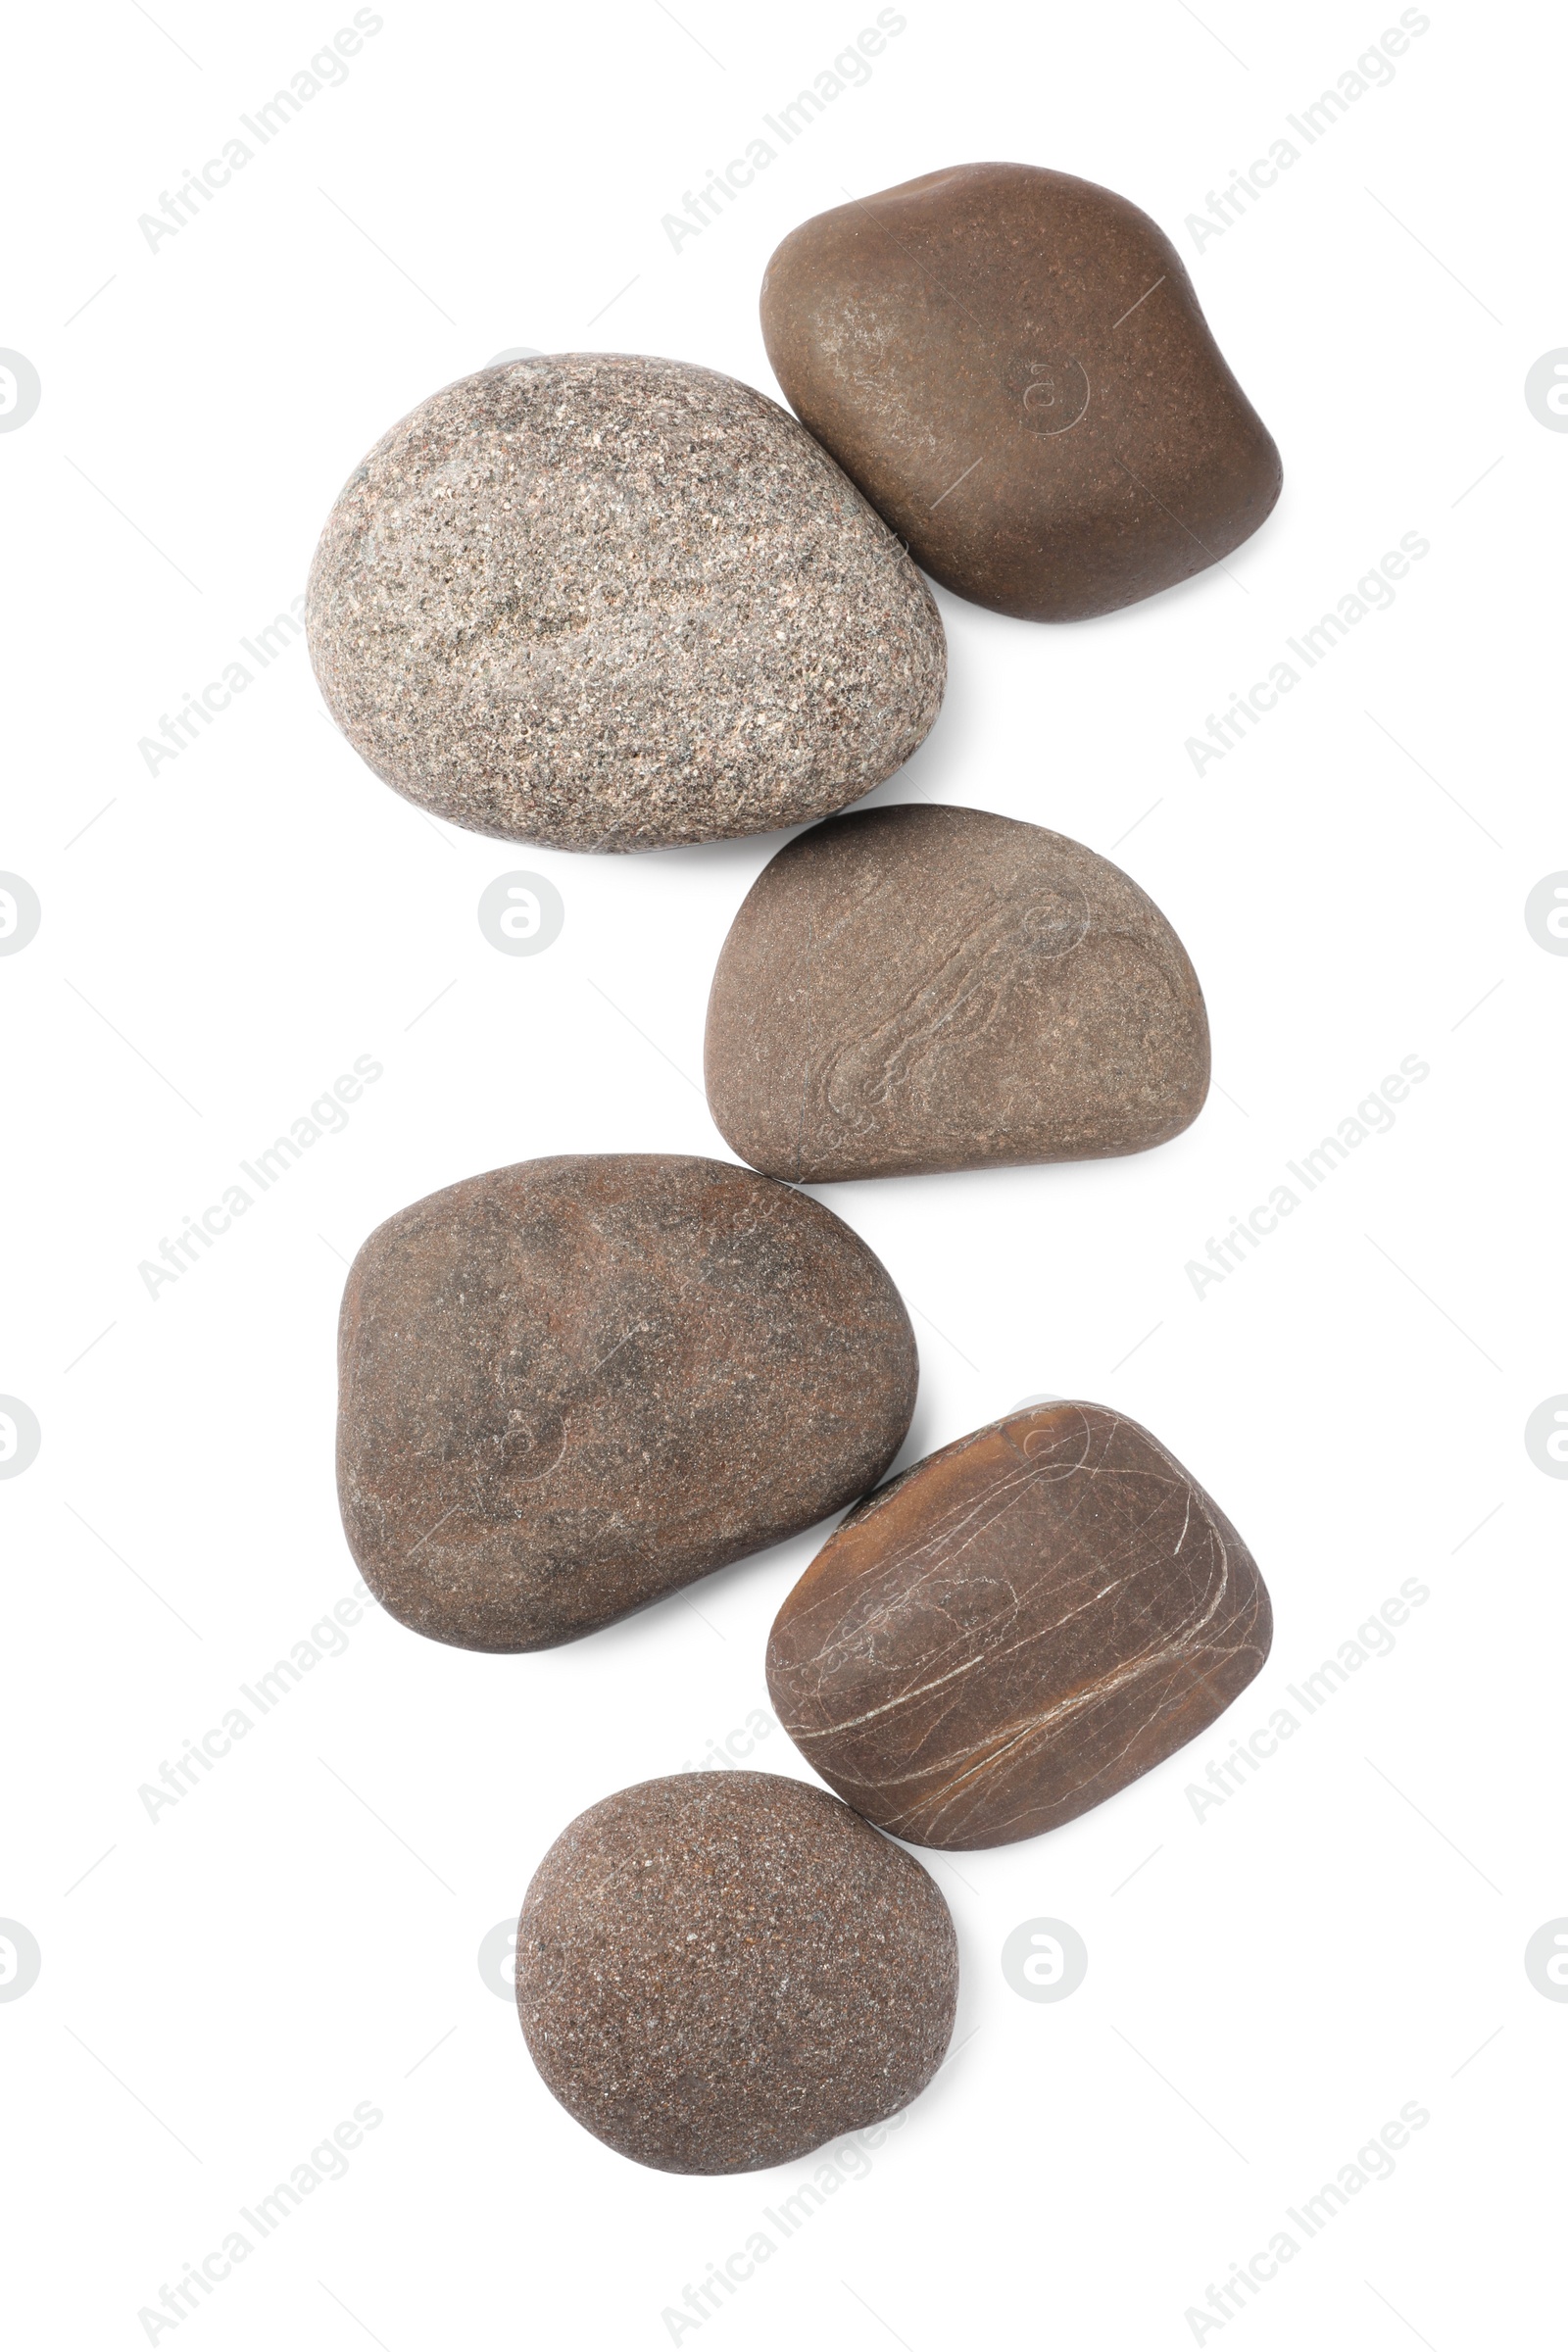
(571, 1385)
(1013, 365)
(721, 1970)
(913, 988)
(609, 603)
(1015, 1629)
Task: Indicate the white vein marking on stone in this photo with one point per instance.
(1094, 1695)
(1001, 1499)
(852, 1723)
(626, 1334)
(1170, 1655)
(1166, 1655)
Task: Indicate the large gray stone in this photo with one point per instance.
(609, 603)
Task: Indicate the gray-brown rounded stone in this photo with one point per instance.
(917, 987)
(569, 1387)
(1013, 365)
(1013, 1628)
(722, 1971)
(606, 602)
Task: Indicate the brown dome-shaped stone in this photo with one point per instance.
(919, 988)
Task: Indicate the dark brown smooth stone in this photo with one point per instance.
(569, 1387)
(1015, 1628)
(721, 1970)
(912, 989)
(1013, 366)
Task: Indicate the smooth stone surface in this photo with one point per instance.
(612, 603)
(569, 1387)
(917, 987)
(1013, 365)
(1015, 1628)
(723, 1970)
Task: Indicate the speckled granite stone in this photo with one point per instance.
(721, 1970)
(917, 987)
(1015, 1628)
(1013, 365)
(610, 603)
(569, 1387)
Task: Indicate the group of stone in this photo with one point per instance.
(610, 603)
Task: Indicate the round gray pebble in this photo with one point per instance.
(604, 602)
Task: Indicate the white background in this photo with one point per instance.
(1344, 1935)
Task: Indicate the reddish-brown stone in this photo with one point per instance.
(721, 1970)
(1015, 1628)
(569, 1387)
(1013, 366)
